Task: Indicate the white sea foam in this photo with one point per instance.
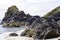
(5, 36)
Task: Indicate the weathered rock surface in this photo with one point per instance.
(13, 34)
(15, 18)
(45, 27)
(42, 30)
(38, 27)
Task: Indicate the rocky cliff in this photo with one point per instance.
(38, 27)
(45, 28)
(15, 18)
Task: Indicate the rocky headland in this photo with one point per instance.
(15, 18)
(38, 28)
(45, 27)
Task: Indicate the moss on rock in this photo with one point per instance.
(29, 33)
(54, 11)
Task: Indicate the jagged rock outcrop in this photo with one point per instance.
(15, 18)
(38, 27)
(45, 27)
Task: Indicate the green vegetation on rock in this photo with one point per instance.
(15, 18)
(29, 33)
(54, 11)
(13, 9)
(38, 27)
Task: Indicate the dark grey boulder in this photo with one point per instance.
(13, 34)
(44, 29)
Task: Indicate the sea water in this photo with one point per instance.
(6, 29)
(4, 33)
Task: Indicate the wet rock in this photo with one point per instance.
(13, 34)
(52, 34)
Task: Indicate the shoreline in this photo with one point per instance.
(5, 36)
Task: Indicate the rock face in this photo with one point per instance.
(15, 18)
(45, 27)
(42, 30)
(38, 27)
(13, 34)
